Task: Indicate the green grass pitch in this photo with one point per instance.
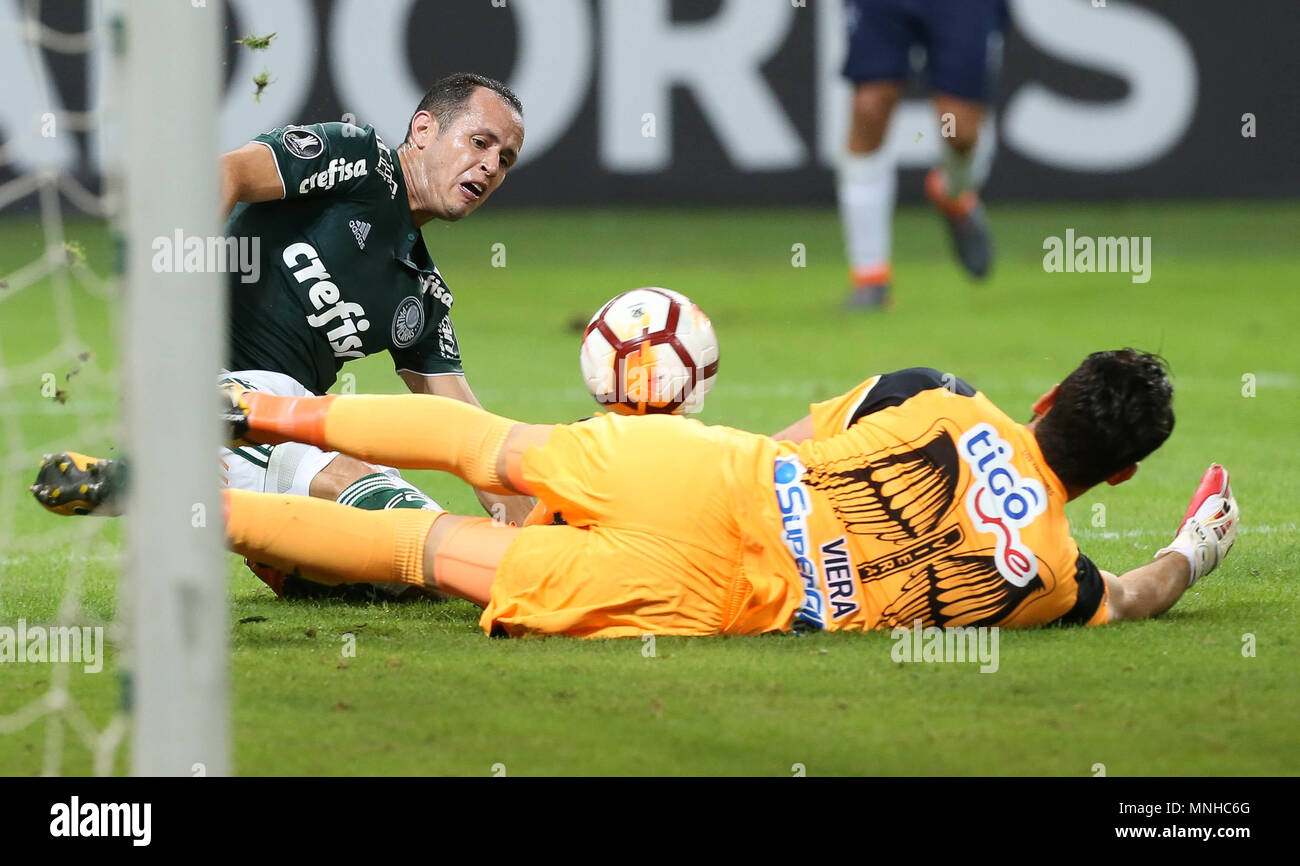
(427, 693)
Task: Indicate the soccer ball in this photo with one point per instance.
(650, 351)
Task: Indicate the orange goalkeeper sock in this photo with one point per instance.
(466, 557)
(411, 431)
(333, 542)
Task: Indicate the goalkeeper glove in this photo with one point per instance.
(1209, 528)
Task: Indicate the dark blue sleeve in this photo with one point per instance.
(896, 388)
(1092, 589)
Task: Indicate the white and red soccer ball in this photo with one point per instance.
(650, 351)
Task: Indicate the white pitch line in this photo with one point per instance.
(1245, 529)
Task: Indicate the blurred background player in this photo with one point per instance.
(958, 37)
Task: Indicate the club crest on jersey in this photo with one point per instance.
(345, 320)
(408, 322)
(1000, 502)
(302, 143)
(793, 499)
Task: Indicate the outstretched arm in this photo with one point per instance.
(1147, 591)
(1204, 538)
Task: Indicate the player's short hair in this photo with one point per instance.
(1111, 412)
(447, 97)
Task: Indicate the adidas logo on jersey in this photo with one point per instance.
(359, 231)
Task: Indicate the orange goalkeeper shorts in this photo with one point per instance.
(659, 540)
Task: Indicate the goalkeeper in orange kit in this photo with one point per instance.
(911, 497)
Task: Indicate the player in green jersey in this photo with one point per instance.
(343, 273)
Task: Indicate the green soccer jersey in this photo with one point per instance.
(344, 270)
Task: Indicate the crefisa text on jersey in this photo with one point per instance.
(324, 296)
(433, 284)
(338, 169)
(75, 818)
(192, 254)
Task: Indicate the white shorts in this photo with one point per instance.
(287, 468)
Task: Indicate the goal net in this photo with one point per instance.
(112, 631)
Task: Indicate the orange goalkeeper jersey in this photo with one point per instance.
(918, 499)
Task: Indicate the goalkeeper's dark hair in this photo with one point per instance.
(1111, 412)
(447, 98)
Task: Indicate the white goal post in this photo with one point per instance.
(173, 339)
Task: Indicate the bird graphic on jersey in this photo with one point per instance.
(902, 494)
(909, 491)
(893, 494)
(964, 590)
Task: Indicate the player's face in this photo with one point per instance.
(470, 159)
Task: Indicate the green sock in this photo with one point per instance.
(380, 491)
